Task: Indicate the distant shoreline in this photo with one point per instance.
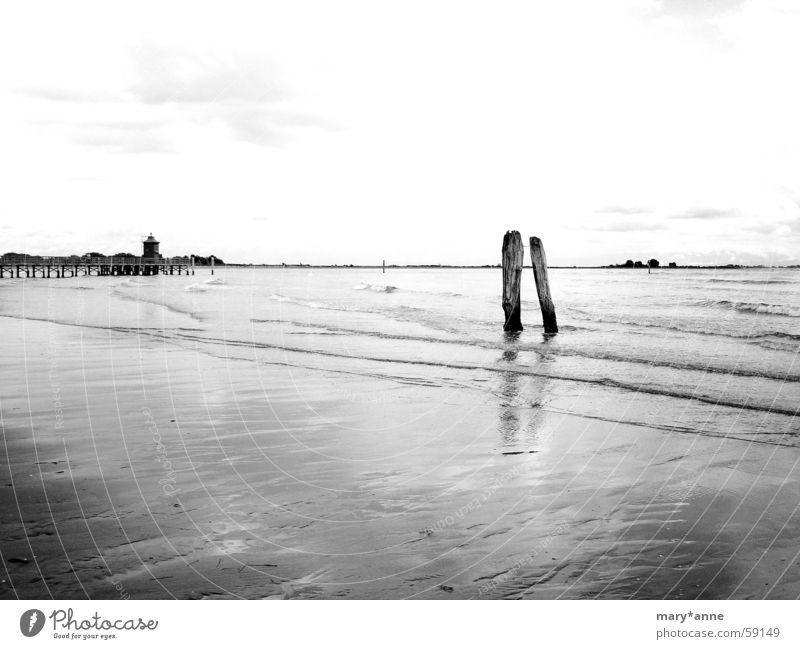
(498, 267)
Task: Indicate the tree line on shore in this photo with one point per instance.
(650, 263)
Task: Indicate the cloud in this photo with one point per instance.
(782, 228)
(624, 209)
(66, 94)
(122, 141)
(695, 18)
(694, 10)
(624, 221)
(706, 214)
(124, 136)
(266, 126)
(241, 91)
(626, 225)
(168, 75)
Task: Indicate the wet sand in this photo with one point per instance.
(131, 467)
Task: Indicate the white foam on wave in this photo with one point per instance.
(283, 298)
(377, 288)
(754, 307)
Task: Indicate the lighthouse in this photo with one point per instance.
(150, 248)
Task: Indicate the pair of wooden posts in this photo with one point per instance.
(513, 261)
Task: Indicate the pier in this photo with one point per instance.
(16, 266)
(150, 263)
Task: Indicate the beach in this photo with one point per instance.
(343, 433)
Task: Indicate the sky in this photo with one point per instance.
(416, 132)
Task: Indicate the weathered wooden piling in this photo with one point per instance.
(539, 263)
(513, 259)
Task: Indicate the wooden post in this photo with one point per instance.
(384, 266)
(513, 259)
(539, 262)
(212, 264)
(192, 264)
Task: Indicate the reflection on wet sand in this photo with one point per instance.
(521, 403)
(509, 418)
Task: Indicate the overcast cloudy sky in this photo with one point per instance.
(419, 132)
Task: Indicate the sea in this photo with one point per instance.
(344, 432)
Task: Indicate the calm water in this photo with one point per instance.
(347, 433)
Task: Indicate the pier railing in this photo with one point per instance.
(35, 266)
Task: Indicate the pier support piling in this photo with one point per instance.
(539, 262)
(513, 259)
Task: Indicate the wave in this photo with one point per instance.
(780, 334)
(129, 282)
(327, 329)
(312, 305)
(399, 313)
(461, 326)
(377, 288)
(543, 350)
(719, 280)
(72, 288)
(752, 307)
(778, 340)
(214, 280)
(440, 293)
(704, 368)
(160, 332)
(764, 339)
(141, 300)
(195, 288)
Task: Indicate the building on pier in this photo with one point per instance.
(150, 248)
